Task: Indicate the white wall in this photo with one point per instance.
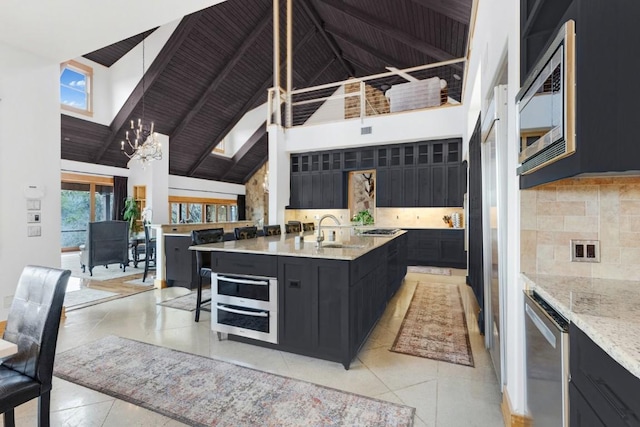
(496, 40)
(29, 154)
(193, 187)
(435, 123)
(92, 169)
(125, 74)
(243, 130)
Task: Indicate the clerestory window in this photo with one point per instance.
(75, 87)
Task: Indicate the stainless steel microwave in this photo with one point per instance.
(546, 105)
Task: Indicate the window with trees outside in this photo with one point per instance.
(76, 87)
(186, 210)
(83, 199)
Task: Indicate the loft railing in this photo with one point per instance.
(426, 86)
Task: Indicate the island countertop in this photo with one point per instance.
(608, 311)
(345, 247)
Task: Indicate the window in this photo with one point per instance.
(83, 199)
(75, 87)
(196, 210)
(220, 147)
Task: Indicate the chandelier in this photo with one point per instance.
(142, 141)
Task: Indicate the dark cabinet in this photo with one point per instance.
(606, 34)
(417, 174)
(180, 262)
(600, 385)
(295, 301)
(436, 248)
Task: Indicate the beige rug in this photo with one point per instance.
(429, 270)
(435, 326)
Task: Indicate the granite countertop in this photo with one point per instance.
(608, 311)
(355, 246)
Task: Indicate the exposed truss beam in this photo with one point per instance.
(408, 77)
(386, 59)
(321, 71)
(222, 75)
(365, 67)
(390, 30)
(153, 72)
(246, 147)
(245, 108)
(312, 13)
(455, 9)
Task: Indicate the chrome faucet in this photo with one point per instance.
(320, 236)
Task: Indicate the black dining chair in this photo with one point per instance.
(293, 227)
(149, 252)
(245, 232)
(272, 230)
(34, 318)
(203, 263)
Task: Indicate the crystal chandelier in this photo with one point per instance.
(142, 141)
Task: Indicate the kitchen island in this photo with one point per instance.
(329, 296)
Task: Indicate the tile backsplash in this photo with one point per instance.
(384, 217)
(590, 208)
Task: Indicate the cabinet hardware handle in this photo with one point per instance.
(243, 281)
(610, 397)
(294, 283)
(245, 313)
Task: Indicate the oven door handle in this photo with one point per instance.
(245, 313)
(244, 281)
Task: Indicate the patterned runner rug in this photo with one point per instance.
(435, 326)
(200, 391)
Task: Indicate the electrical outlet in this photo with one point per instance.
(585, 250)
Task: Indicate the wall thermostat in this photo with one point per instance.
(34, 191)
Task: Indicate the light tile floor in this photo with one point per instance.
(443, 394)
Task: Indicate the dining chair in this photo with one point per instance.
(242, 233)
(272, 230)
(32, 324)
(149, 252)
(203, 262)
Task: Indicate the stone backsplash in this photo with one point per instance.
(384, 217)
(590, 208)
(257, 199)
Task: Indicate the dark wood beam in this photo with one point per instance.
(246, 147)
(245, 108)
(152, 74)
(389, 30)
(393, 62)
(321, 71)
(312, 13)
(458, 10)
(254, 170)
(365, 67)
(222, 74)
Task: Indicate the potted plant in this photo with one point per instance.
(131, 214)
(363, 217)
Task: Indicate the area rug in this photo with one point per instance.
(200, 391)
(71, 261)
(435, 326)
(186, 302)
(139, 282)
(429, 270)
(86, 296)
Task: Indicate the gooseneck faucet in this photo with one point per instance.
(320, 236)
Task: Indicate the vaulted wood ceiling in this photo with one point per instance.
(217, 66)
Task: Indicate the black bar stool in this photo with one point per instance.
(203, 264)
(272, 230)
(245, 232)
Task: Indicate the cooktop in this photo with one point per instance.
(380, 232)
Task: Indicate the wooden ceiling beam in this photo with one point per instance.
(365, 47)
(365, 67)
(245, 108)
(312, 13)
(152, 74)
(458, 10)
(222, 75)
(246, 147)
(390, 30)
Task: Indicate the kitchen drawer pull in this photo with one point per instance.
(610, 397)
(546, 332)
(244, 281)
(245, 313)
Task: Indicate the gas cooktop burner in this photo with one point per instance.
(381, 232)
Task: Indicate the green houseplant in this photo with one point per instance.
(131, 214)
(363, 217)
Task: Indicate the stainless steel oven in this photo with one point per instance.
(245, 306)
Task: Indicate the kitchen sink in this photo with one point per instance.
(341, 246)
